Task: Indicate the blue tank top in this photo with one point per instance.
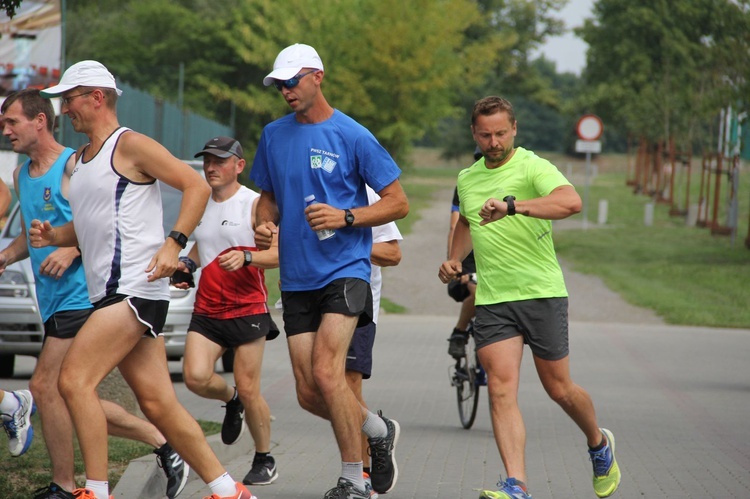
(41, 198)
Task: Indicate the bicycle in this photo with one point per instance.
(467, 375)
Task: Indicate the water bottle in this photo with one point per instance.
(322, 233)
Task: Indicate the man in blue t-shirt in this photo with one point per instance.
(319, 151)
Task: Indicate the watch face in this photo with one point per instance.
(349, 218)
(248, 257)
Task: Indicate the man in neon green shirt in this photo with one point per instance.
(508, 199)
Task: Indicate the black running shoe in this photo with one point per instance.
(383, 469)
(234, 422)
(53, 491)
(263, 472)
(174, 468)
(457, 343)
(344, 489)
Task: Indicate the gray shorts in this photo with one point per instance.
(543, 323)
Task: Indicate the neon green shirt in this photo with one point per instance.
(515, 256)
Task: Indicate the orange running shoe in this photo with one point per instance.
(242, 493)
(85, 494)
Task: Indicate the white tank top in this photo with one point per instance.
(118, 223)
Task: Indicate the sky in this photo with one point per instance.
(568, 51)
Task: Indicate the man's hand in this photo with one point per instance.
(232, 260)
(58, 262)
(449, 270)
(41, 234)
(322, 216)
(3, 263)
(492, 211)
(264, 235)
(164, 262)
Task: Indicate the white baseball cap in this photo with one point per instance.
(83, 74)
(290, 62)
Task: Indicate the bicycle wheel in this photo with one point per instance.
(467, 391)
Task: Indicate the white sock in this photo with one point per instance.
(374, 426)
(224, 486)
(100, 489)
(9, 405)
(353, 473)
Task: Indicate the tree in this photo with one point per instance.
(10, 6)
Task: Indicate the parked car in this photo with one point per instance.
(21, 327)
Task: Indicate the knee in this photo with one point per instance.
(195, 380)
(328, 378)
(69, 383)
(42, 386)
(309, 397)
(561, 393)
(248, 390)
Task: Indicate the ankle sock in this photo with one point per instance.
(353, 473)
(224, 486)
(99, 488)
(374, 426)
(9, 404)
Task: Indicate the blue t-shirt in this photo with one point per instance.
(333, 161)
(41, 198)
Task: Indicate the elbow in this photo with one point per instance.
(403, 210)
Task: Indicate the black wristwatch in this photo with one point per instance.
(248, 257)
(179, 237)
(511, 204)
(348, 217)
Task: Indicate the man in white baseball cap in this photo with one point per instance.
(291, 61)
(83, 74)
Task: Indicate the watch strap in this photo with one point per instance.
(348, 217)
(248, 257)
(179, 237)
(510, 201)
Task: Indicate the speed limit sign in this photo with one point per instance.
(589, 127)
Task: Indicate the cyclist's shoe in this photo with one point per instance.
(509, 489)
(53, 491)
(85, 494)
(174, 468)
(383, 469)
(345, 490)
(263, 472)
(234, 422)
(18, 425)
(368, 486)
(241, 493)
(457, 343)
(606, 472)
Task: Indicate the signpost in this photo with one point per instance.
(589, 129)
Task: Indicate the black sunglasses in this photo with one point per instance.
(291, 82)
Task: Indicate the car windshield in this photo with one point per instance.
(171, 199)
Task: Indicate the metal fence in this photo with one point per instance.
(181, 132)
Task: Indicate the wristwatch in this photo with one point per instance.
(348, 217)
(248, 257)
(179, 237)
(511, 204)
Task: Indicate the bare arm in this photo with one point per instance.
(561, 203)
(5, 198)
(452, 229)
(392, 205)
(266, 219)
(460, 247)
(386, 254)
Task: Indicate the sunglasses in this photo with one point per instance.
(291, 82)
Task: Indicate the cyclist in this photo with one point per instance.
(463, 288)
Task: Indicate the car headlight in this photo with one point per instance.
(13, 284)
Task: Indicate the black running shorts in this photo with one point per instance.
(65, 324)
(231, 333)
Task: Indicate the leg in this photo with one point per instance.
(354, 380)
(502, 362)
(308, 393)
(57, 426)
(467, 308)
(120, 423)
(328, 361)
(574, 400)
(145, 369)
(201, 355)
(248, 361)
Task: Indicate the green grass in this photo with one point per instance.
(22, 475)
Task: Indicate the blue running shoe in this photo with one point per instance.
(509, 489)
(606, 471)
(18, 425)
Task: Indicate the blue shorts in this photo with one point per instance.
(543, 323)
(359, 356)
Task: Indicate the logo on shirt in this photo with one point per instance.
(47, 193)
(323, 159)
(229, 223)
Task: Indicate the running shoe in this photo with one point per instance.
(234, 422)
(345, 490)
(606, 472)
(85, 494)
(242, 493)
(368, 486)
(509, 489)
(53, 491)
(174, 468)
(383, 469)
(263, 471)
(18, 425)
(457, 343)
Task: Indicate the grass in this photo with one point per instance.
(22, 475)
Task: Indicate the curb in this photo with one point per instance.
(144, 479)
